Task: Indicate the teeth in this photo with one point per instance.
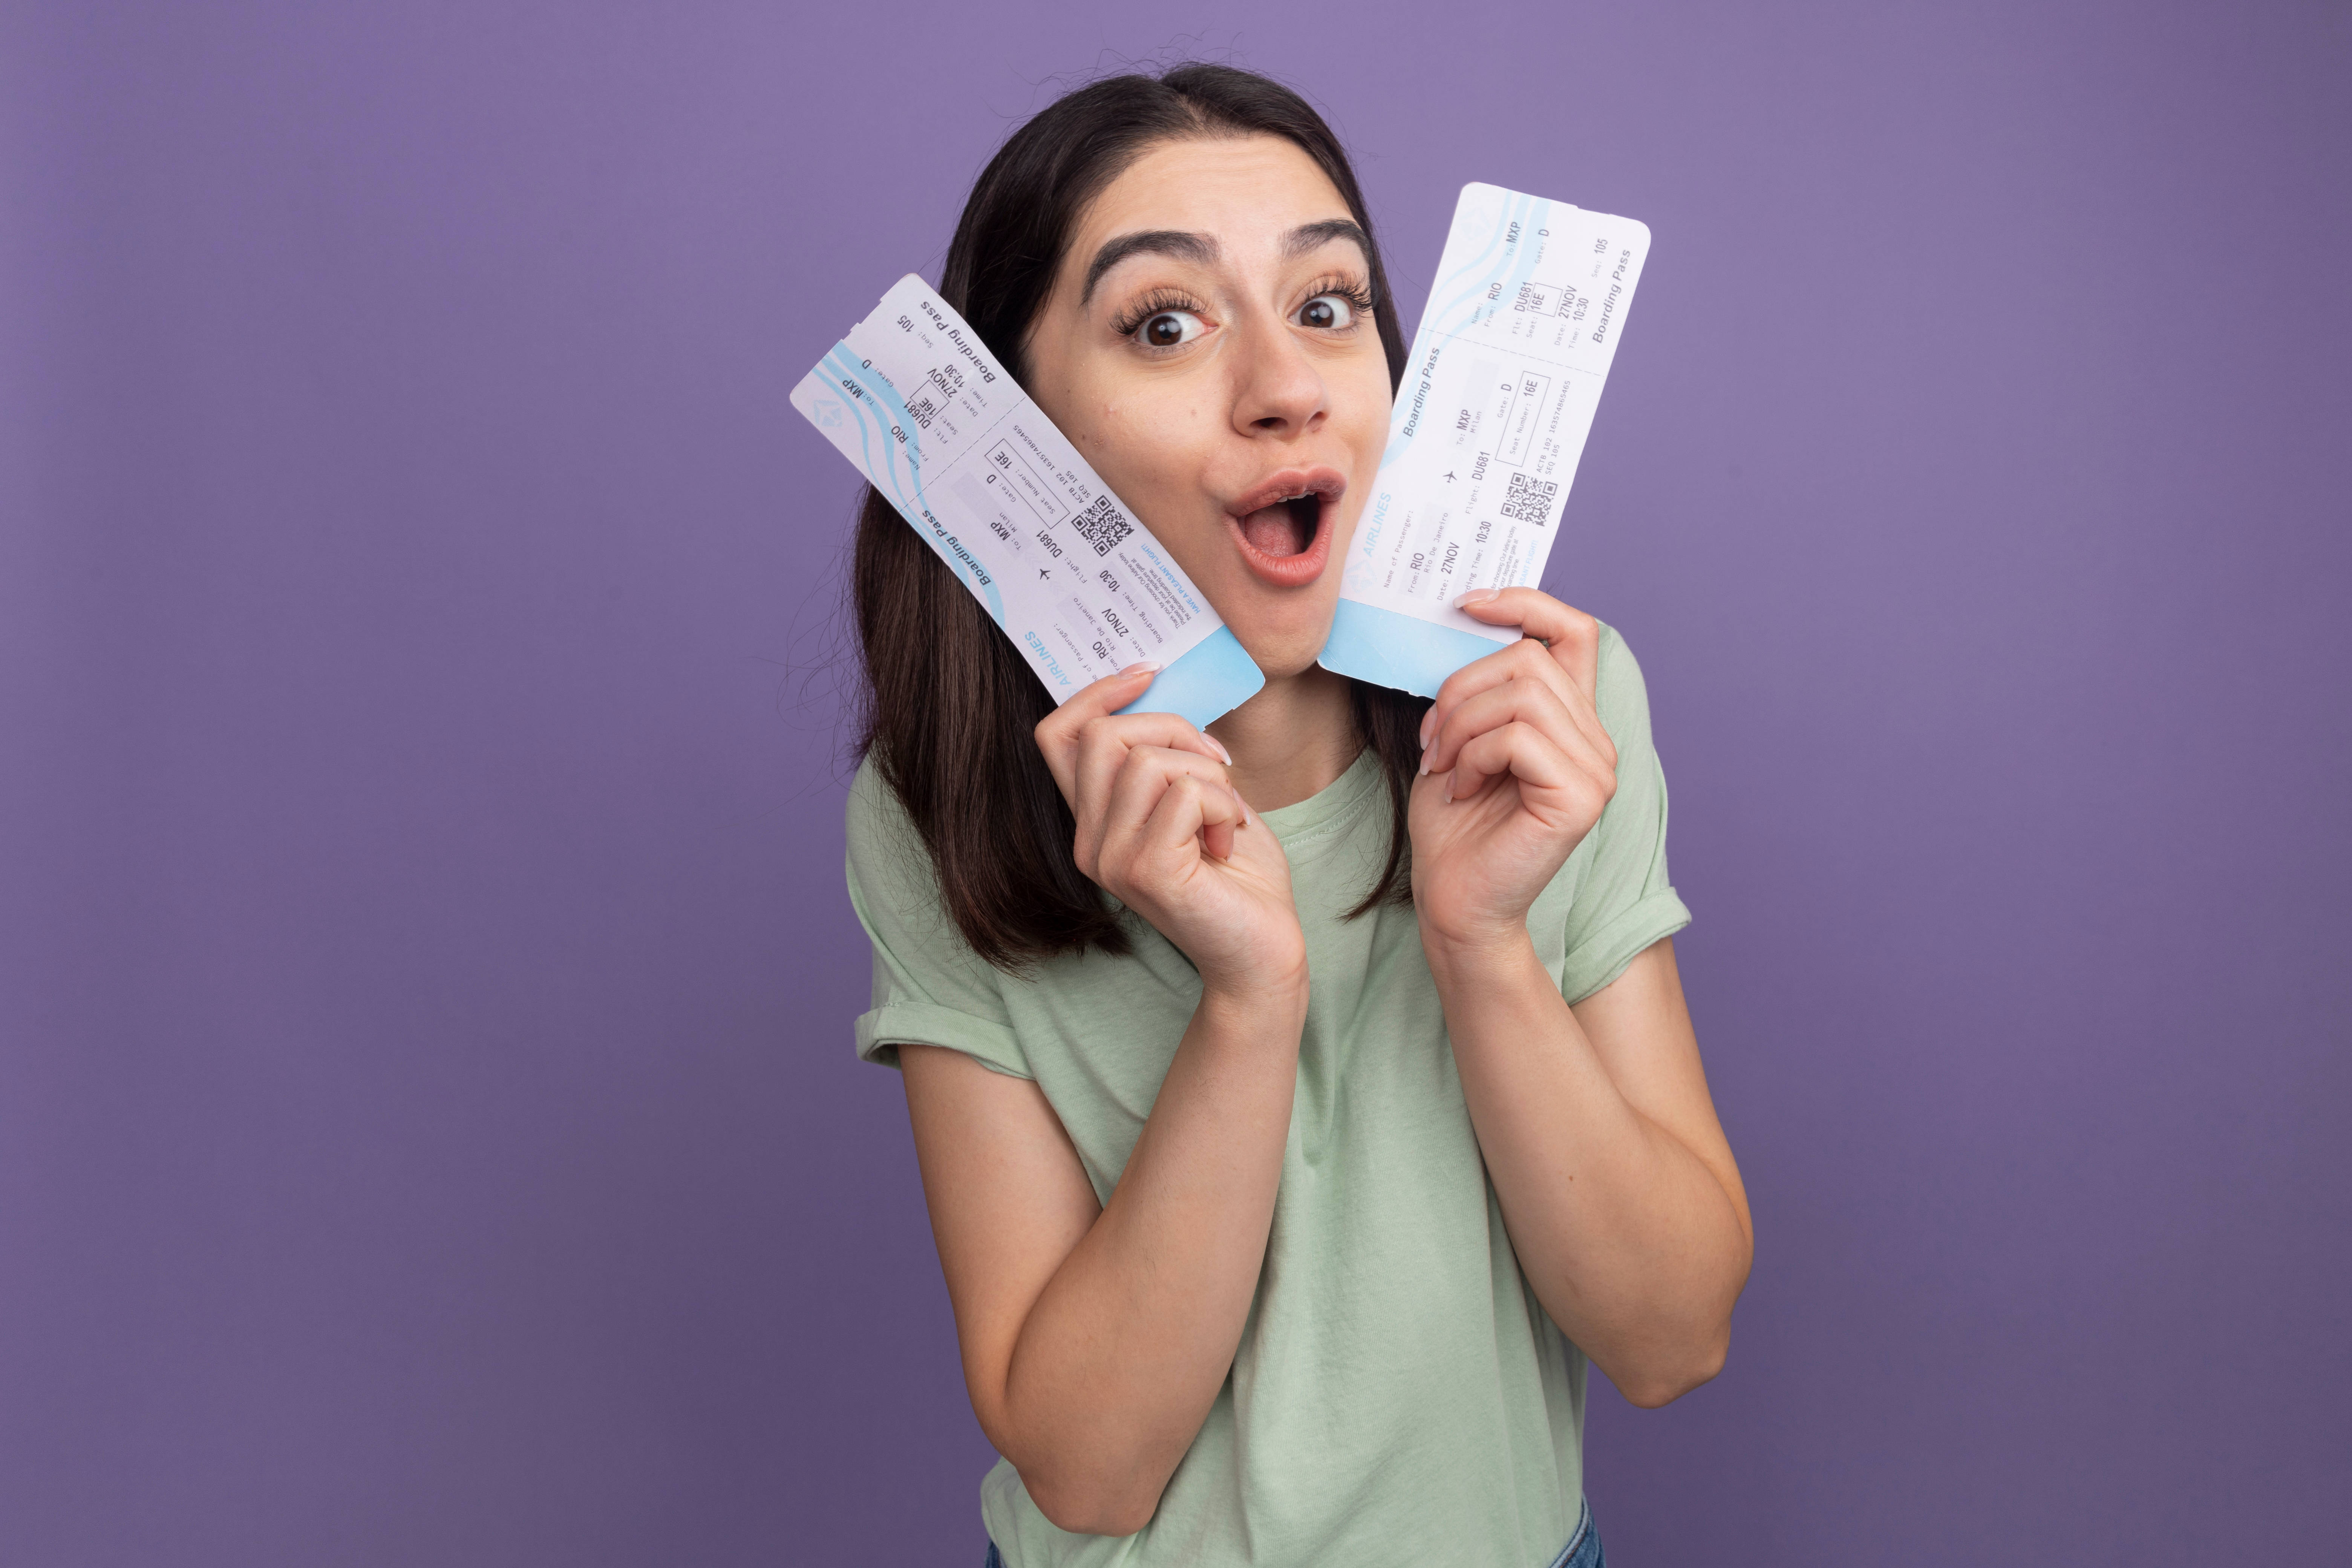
(1302, 495)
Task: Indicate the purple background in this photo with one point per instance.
(428, 1129)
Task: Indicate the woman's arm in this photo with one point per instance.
(1616, 1182)
(1094, 1340)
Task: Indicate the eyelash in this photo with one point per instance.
(1151, 305)
(1356, 294)
(1359, 295)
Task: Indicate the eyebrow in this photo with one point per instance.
(1195, 248)
(1202, 248)
(1309, 236)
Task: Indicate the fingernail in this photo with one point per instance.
(1476, 596)
(1221, 747)
(1425, 719)
(1147, 667)
(1424, 762)
(1449, 789)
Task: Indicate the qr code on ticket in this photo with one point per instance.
(1102, 525)
(1529, 500)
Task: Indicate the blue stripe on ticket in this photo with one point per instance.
(1212, 680)
(1403, 651)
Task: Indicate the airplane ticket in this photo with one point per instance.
(1497, 397)
(916, 401)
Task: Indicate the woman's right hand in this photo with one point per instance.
(1161, 828)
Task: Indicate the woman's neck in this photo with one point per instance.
(1292, 739)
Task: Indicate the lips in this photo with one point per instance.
(1284, 523)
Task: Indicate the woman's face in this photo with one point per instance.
(1209, 346)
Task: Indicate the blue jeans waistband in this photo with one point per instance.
(1583, 1548)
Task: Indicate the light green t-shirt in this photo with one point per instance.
(1399, 1395)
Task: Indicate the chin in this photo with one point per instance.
(1286, 649)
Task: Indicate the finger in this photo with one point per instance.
(1217, 837)
(1517, 750)
(1222, 813)
(1057, 734)
(1103, 745)
(1108, 695)
(1145, 778)
(1523, 700)
(1573, 636)
(1189, 816)
(1525, 659)
(1548, 780)
(1101, 750)
(1189, 813)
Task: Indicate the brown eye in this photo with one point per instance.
(1327, 311)
(1167, 329)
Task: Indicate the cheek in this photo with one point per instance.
(1152, 450)
(1371, 406)
(1367, 430)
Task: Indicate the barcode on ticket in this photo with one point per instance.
(1102, 525)
(1529, 500)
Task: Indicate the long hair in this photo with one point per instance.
(949, 703)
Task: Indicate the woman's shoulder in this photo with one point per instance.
(1619, 694)
(873, 807)
(886, 861)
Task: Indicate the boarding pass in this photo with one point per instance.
(942, 431)
(1506, 370)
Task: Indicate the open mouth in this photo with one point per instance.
(1286, 524)
(1285, 528)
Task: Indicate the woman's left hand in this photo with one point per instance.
(1516, 769)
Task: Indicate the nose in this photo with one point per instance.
(1278, 392)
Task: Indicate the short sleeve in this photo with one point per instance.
(1624, 902)
(930, 987)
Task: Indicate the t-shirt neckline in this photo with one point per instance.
(1329, 808)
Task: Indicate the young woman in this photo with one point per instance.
(1300, 1102)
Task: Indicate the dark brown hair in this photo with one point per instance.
(949, 703)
